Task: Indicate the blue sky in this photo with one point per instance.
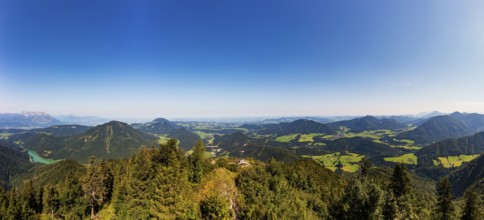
(230, 58)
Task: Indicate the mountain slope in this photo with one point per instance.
(111, 140)
(436, 129)
(42, 174)
(240, 145)
(362, 146)
(161, 126)
(451, 147)
(367, 123)
(301, 126)
(158, 126)
(27, 119)
(13, 161)
(56, 130)
(467, 175)
(63, 130)
(473, 120)
(465, 145)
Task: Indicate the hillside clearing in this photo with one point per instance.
(406, 159)
(454, 161)
(347, 162)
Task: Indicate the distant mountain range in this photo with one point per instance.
(111, 140)
(82, 120)
(27, 120)
(291, 119)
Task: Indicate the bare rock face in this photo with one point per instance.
(27, 120)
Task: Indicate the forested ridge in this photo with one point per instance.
(162, 182)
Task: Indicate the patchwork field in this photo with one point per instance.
(286, 138)
(454, 161)
(309, 137)
(406, 158)
(347, 162)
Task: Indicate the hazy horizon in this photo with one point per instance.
(226, 59)
(227, 118)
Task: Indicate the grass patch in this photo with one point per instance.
(107, 213)
(455, 161)
(348, 162)
(286, 138)
(406, 158)
(309, 137)
(162, 139)
(408, 142)
(408, 147)
(436, 163)
(374, 134)
(4, 135)
(206, 154)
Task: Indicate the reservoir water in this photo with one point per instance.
(38, 159)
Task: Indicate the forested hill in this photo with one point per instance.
(301, 126)
(436, 129)
(367, 123)
(13, 161)
(473, 120)
(455, 146)
(163, 183)
(468, 175)
(161, 126)
(56, 130)
(111, 140)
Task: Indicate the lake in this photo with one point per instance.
(38, 159)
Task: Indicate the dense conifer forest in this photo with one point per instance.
(162, 182)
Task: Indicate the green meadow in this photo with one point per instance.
(454, 161)
(287, 138)
(348, 162)
(406, 158)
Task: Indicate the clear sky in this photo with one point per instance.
(225, 58)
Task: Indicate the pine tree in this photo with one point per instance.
(3, 200)
(445, 206)
(397, 202)
(471, 209)
(28, 200)
(51, 200)
(215, 207)
(361, 200)
(72, 202)
(196, 162)
(400, 182)
(13, 208)
(97, 184)
(136, 195)
(170, 183)
(29, 196)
